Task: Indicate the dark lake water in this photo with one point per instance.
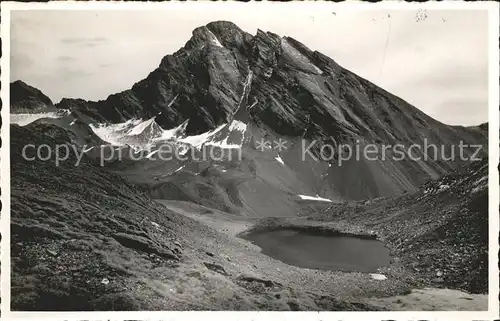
(310, 249)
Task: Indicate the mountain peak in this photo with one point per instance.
(26, 97)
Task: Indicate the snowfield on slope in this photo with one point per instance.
(298, 58)
(198, 140)
(315, 198)
(238, 125)
(128, 133)
(214, 40)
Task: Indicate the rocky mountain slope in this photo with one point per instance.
(291, 92)
(128, 229)
(441, 230)
(86, 239)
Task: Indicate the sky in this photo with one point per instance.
(436, 60)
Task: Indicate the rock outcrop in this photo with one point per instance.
(25, 98)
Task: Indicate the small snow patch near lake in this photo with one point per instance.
(197, 140)
(444, 187)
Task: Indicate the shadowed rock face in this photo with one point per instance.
(297, 91)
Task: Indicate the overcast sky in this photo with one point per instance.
(438, 61)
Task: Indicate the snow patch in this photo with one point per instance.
(127, 133)
(114, 133)
(223, 144)
(443, 187)
(377, 276)
(315, 198)
(173, 100)
(214, 39)
(298, 58)
(316, 68)
(255, 102)
(144, 135)
(155, 224)
(482, 179)
(174, 132)
(476, 189)
(268, 73)
(480, 184)
(246, 89)
(183, 149)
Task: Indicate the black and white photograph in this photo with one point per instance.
(214, 156)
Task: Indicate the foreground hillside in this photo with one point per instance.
(441, 230)
(85, 239)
